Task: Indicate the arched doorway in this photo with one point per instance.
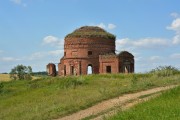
(126, 69)
(89, 69)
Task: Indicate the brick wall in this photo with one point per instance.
(81, 52)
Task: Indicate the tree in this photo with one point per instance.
(21, 72)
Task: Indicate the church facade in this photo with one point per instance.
(91, 48)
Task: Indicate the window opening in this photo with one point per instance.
(89, 52)
(108, 69)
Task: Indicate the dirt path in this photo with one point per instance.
(124, 106)
(109, 104)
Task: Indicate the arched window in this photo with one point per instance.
(89, 69)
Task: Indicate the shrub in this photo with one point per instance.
(164, 71)
(21, 72)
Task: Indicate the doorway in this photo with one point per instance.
(89, 69)
(127, 69)
(108, 69)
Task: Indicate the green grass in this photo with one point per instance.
(48, 98)
(164, 107)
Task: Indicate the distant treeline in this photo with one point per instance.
(4, 73)
(39, 73)
(34, 73)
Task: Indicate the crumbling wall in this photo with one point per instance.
(79, 53)
(51, 69)
(91, 46)
(126, 61)
(108, 63)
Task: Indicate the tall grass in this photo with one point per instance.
(48, 98)
(164, 107)
(163, 71)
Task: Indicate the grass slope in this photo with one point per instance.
(49, 98)
(164, 107)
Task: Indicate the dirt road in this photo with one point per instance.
(109, 104)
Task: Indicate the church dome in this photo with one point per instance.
(91, 32)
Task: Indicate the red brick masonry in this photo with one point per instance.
(92, 48)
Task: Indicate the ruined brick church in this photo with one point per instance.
(91, 48)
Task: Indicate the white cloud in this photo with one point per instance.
(138, 58)
(37, 55)
(102, 25)
(175, 25)
(174, 14)
(19, 2)
(42, 55)
(176, 39)
(151, 42)
(111, 26)
(142, 43)
(56, 52)
(124, 41)
(9, 59)
(155, 58)
(175, 56)
(53, 41)
(50, 40)
(1, 51)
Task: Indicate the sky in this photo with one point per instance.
(32, 31)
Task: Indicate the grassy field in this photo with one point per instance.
(164, 107)
(4, 77)
(48, 98)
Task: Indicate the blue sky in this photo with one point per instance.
(32, 31)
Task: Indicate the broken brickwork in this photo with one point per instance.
(94, 47)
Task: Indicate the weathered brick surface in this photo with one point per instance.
(126, 62)
(51, 69)
(76, 54)
(96, 51)
(108, 60)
